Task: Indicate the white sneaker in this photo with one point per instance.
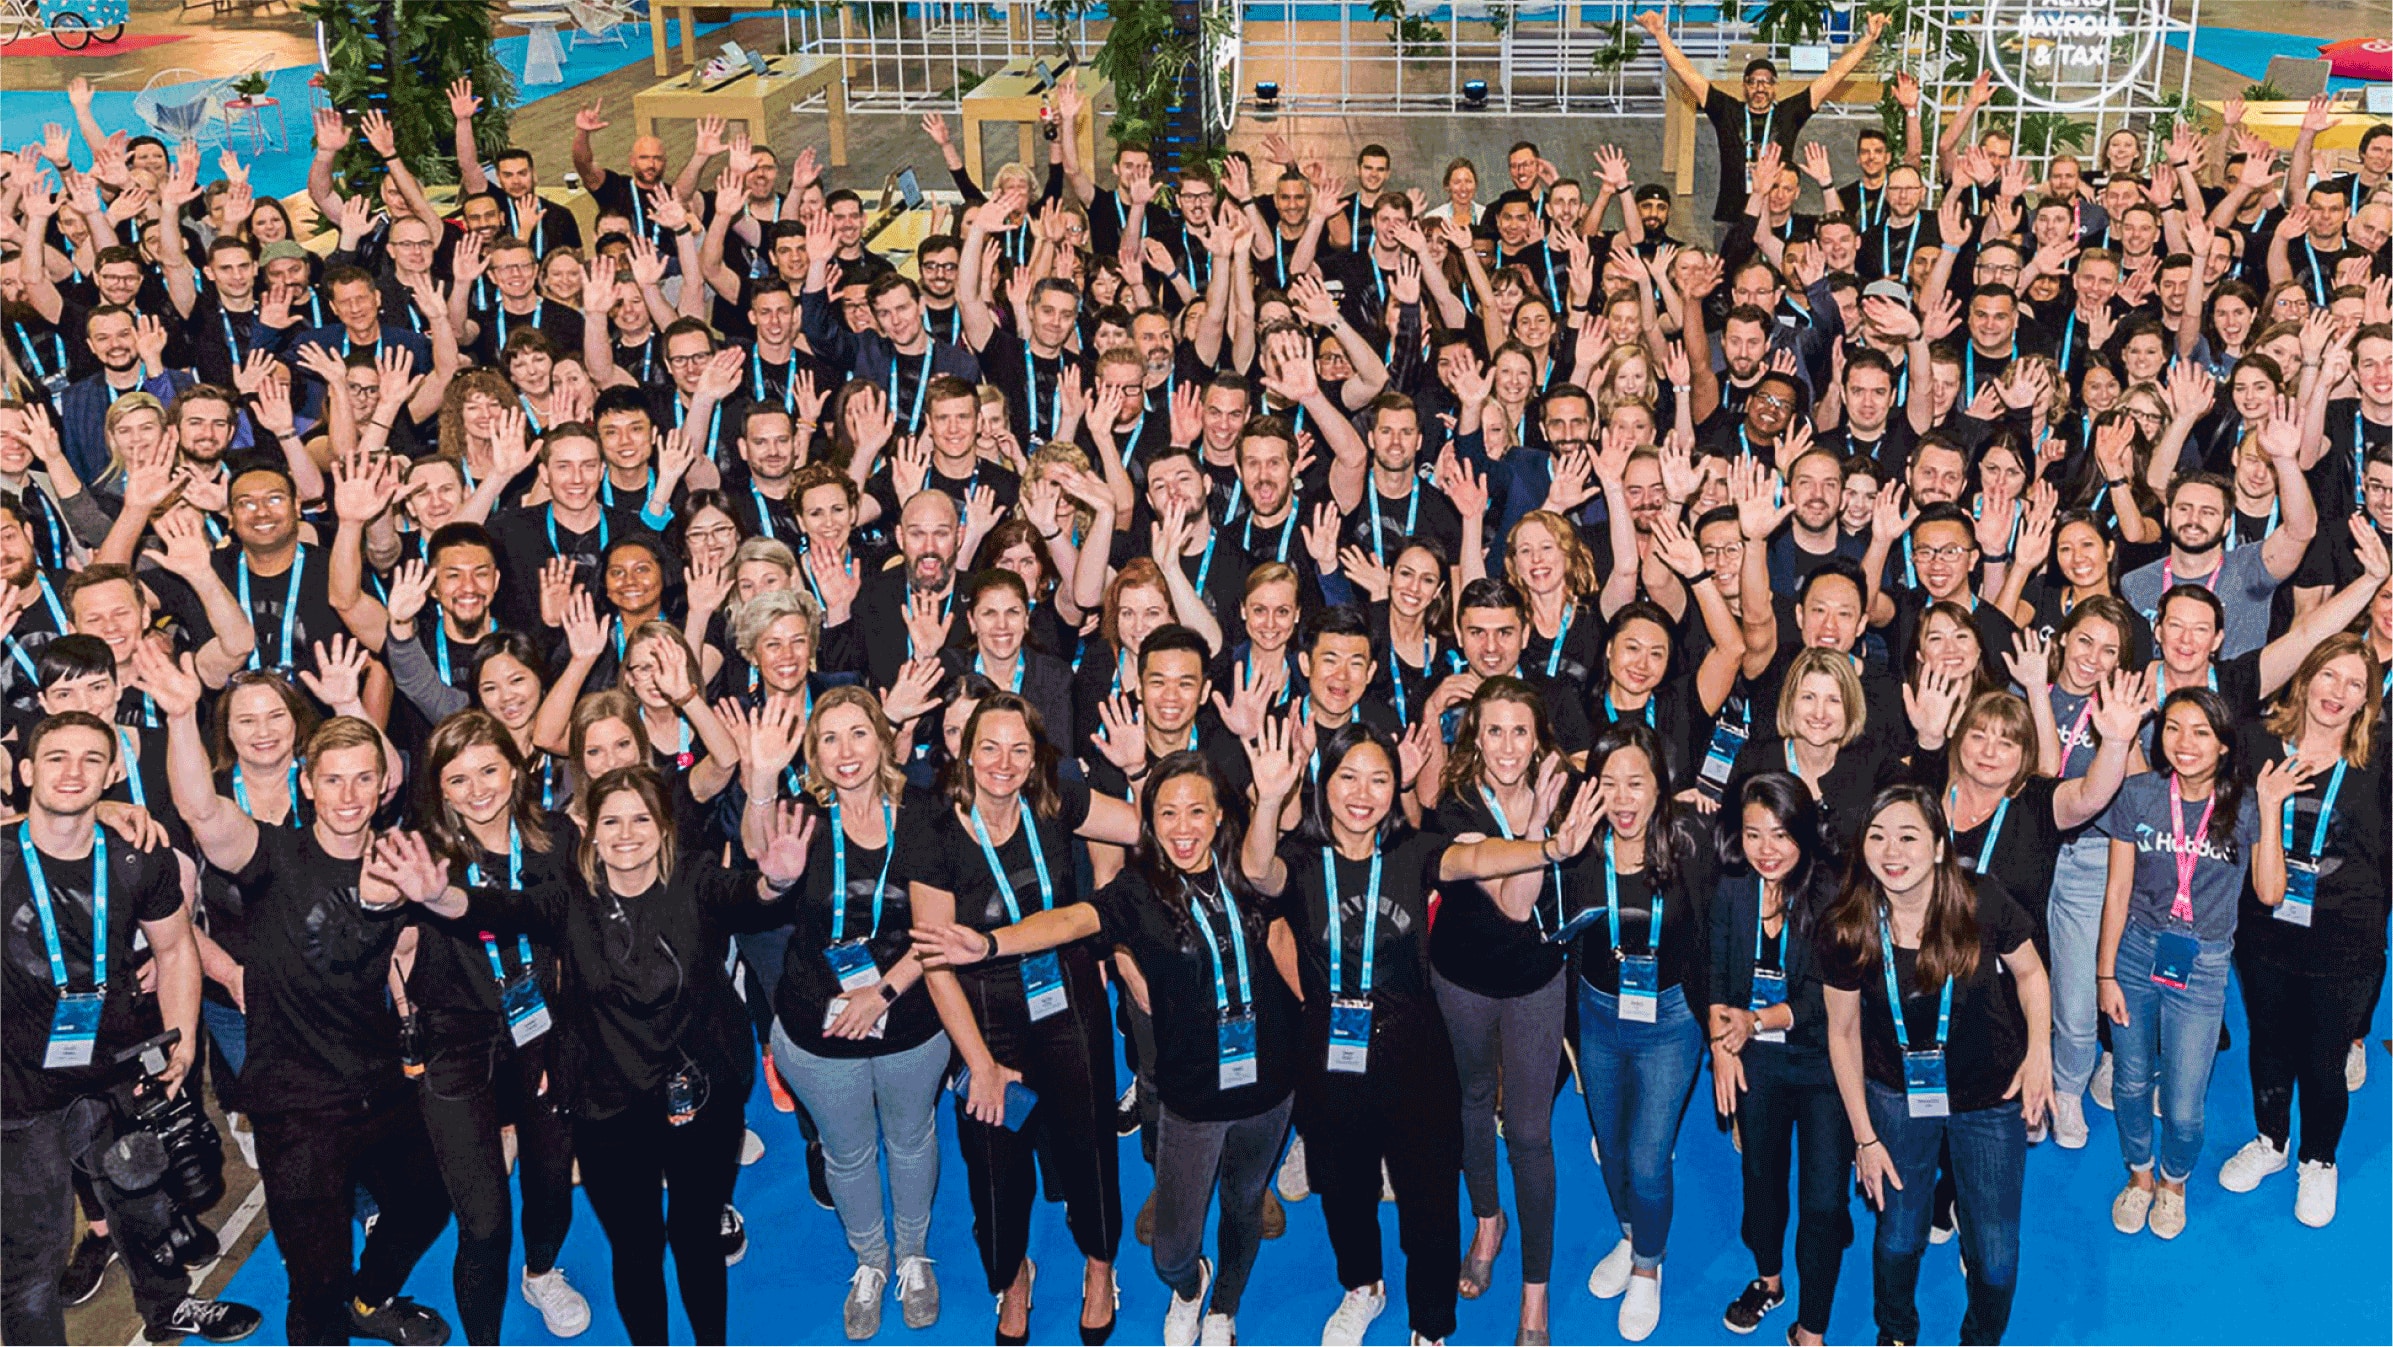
(917, 1291)
(2244, 1170)
(2168, 1212)
(2314, 1200)
(2129, 1209)
(1418, 1341)
(2069, 1122)
(751, 1148)
(1220, 1330)
(245, 1138)
(2355, 1067)
(1611, 1275)
(1182, 1319)
(1641, 1308)
(1294, 1183)
(1387, 1184)
(1354, 1315)
(2099, 1086)
(862, 1312)
(562, 1308)
(1940, 1234)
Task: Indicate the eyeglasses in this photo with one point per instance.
(1773, 400)
(719, 533)
(1724, 552)
(1951, 552)
(685, 361)
(940, 267)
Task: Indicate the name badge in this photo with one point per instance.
(852, 963)
(527, 1011)
(1640, 981)
(1043, 984)
(838, 1005)
(1769, 989)
(1350, 1034)
(1923, 1084)
(2301, 892)
(74, 1030)
(2173, 961)
(1237, 1050)
(1728, 740)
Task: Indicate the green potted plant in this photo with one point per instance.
(252, 85)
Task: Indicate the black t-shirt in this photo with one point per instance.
(1009, 363)
(1742, 134)
(452, 987)
(322, 1032)
(1178, 962)
(1473, 944)
(1407, 862)
(808, 984)
(2346, 934)
(1987, 1039)
(142, 886)
(1861, 767)
(939, 850)
(529, 535)
(1685, 951)
(267, 597)
(1422, 512)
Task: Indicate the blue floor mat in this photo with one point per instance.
(2079, 1281)
(2246, 51)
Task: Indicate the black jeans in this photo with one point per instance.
(1067, 1059)
(1192, 1160)
(2301, 1028)
(1406, 1110)
(652, 1184)
(1795, 1127)
(38, 1157)
(312, 1163)
(469, 1092)
(1516, 1043)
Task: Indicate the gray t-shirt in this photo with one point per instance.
(2241, 581)
(2139, 815)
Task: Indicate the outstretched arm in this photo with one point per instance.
(1697, 87)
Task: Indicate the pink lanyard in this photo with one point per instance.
(2168, 575)
(2188, 853)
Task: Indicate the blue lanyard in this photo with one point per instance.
(1396, 670)
(789, 383)
(1886, 265)
(539, 229)
(1030, 393)
(922, 384)
(1229, 907)
(1752, 143)
(58, 347)
(1612, 715)
(2318, 275)
(2326, 810)
(1553, 658)
(57, 609)
(530, 414)
(1993, 825)
(839, 869)
(538, 307)
(555, 550)
(1894, 997)
(1969, 362)
(241, 790)
(1337, 943)
(523, 943)
(1784, 921)
(1205, 566)
(764, 515)
(1504, 826)
(1021, 665)
(232, 342)
(290, 608)
(1287, 532)
(1038, 861)
(1653, 925)
(49, 919)
(1412, 517)
(946, 611)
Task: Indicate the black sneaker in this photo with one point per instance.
(215, 1320)
(401, 1321)
(86, 1268)
(1745, 1313)
(1125, 1111)
(818, 1175)
(735, 1236)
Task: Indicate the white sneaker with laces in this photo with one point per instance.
(2069, 1122)
(2168, 1212)
(1294, 1183)
(1641, 1307)
(1354, 1315)
(1387, 1184)
(2259, 1158)
(2314, 1199)
(917, 1291)
(2355, 1067)
(1611, 1275)
(862, 1311)
(1220, 1330)
(751, 1148)
(562, 1308)
(1183, 1317)
(2099, 1086)
(244, 1138)
(2129, 1209)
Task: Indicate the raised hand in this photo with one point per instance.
(339, 676)
(590, 119)
(1932, 703)
(462, 104)
(2278, 782)
(2029, 662)
(410, 591)
(1273, 758)
(170, 682)
(586, 632)
(786, 842)
(2121, 703)
(1122, 737)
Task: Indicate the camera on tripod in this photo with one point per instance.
(164, 1169)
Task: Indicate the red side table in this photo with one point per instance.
(253, 111)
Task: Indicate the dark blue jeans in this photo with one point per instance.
(1794, 1126)
(1638, 1078)
(1989, 1165)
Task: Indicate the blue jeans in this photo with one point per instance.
(230, 1028)
(1989, 1167)
(2074, 917)
(2172, 1035)
(1638, 1078)
(862, 1104)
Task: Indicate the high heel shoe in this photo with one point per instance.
(1029, 1289)
(1478, 1272)
(1097, 1336)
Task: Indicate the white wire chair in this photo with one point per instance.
(180, 104)
(596, 21)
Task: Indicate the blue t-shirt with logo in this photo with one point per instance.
(2139, 816)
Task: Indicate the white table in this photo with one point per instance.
(544, 59)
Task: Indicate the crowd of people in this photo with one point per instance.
(1331, 649)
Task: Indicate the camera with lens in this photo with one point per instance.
(165, 1167)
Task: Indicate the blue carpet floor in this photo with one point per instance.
(2080, 1282)
(2246, 51)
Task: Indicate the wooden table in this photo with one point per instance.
(2280, 123)
(658, 12)
(1010, 95)
(1683, 122)
(754, 99)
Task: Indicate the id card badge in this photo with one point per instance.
(2301, 892)
(1237, 1050)
(1350, 1034)
(852, 963)
(2173, 961)
(838, 1005)
(1769, 989)
(1043, 984)
(74, 1030)
(1923, 1084)
(1640, 981)
(1728, 740)
(527, 1010)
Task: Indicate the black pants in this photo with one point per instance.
(1406, 1110)
(312, 1163)
(652, 1184)
(1067, 1059)
(1795, 1127)
(1138, 1050)
(38, 1157)
(2301, 1028)
(470, 1091)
